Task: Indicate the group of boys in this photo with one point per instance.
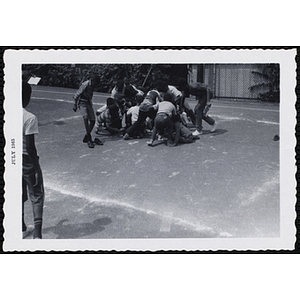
(165, 106)
(129, 111)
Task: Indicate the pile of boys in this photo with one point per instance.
(133, 113)
(165, 105)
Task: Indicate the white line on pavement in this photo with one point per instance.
(110, 202)
(247, 108)
(62, 100)
(66, 119)
(224, 118)
(267, 122)
(66, 93)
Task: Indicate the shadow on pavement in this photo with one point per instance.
(73, 231)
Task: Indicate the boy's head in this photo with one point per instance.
(119, 85)
(181, 84)
(168, 97)
(161, 86)
(110, 101)
(25, 75)
(95, 80)
(26, 93)
(139, 99)
(114, 110)
(126, 81)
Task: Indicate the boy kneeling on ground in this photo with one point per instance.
(164, 121)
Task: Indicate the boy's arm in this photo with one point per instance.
(139, 92)
(77, 95)
(178, 98)
(179, 101)
(32, 153)
(207, 95)
(159, 98)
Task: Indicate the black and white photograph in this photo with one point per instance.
(149, 150)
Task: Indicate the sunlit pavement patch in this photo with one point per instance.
(166, 222)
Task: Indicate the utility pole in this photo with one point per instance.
(214, 80)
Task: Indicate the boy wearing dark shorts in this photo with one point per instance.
(83, 101)
(164, 120)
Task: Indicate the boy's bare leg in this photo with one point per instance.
(91, 126)
(153, 135)
(177, 132)
(86, 125)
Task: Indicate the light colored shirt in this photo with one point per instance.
(134, 112)
(167, 108)
(102, 109)
(151, 99)
(117, 95)
(85, 92)
(30, 126)
(174, 92)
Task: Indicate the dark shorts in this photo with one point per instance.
(163, 121)
(87, 111)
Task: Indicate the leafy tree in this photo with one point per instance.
(141, 75)
(269, 77)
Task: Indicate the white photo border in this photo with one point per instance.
(13, 60)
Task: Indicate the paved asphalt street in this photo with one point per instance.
(224, 185)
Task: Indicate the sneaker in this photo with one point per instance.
(126, 136)
(98, 142)
(213, 129)
(171, 144)
(91, 144)
(196, 133)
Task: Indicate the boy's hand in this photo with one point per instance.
(75, 107)
(206, 109)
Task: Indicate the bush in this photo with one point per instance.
(269, 76)
(142, 76)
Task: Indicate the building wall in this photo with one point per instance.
(230, 80)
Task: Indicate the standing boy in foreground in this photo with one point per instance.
(32, 178)
(83, 100)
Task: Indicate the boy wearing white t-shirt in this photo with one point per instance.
(32, 177)
(132, 116)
